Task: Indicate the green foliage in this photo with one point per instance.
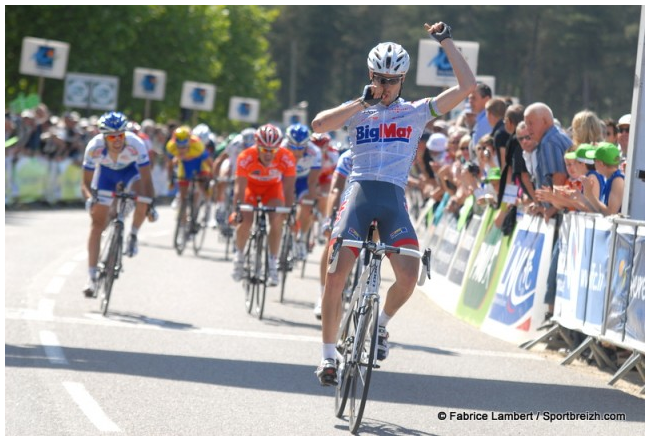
(220, 45)
(570, 57)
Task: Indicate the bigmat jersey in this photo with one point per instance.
(97, 153)
(384, 139)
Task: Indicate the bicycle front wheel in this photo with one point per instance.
(363, 362)
(111, 267)
(180, 234)
(285, 259)
(262, 272)
(345, 349)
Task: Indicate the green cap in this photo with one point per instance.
(580, 153)
(494, 174)
(608, 153)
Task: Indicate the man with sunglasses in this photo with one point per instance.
(384, 130)
(266, 171)
(308, 168)
(111, 157)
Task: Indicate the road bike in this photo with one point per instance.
(226, 230)
(256, 256)
(358, 330)
(110, 262)
(193, 217)
(286, 257)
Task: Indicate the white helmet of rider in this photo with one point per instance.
(388, 58)
(203, 132)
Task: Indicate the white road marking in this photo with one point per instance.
(99, 320)
(52, 348)
(55, 285)
(90, 407)
(67, 268)
(46, 307)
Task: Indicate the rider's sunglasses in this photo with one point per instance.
(115, 137)
(267, 149)
(385, 80)
(294, 147)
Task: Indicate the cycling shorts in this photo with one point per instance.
(301, 188)
(364, 201)
(108, 179)
(188, 168)
(266, 193)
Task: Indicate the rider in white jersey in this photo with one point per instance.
(111, 157)
(224, 167)
(384, 132)
(308, 169)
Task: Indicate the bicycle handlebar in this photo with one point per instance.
(381, 249)
(265, 209)
(126, 195)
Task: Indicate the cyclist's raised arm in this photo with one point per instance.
(333, 119)
(447, 100)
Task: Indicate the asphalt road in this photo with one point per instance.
(178, 355)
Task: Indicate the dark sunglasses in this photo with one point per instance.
(526, 137)
(624, 129)
(384, 80)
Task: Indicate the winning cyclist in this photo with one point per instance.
(113, 156)
(337, 184)
(268, 171)
(384, 130)
(308, 169)
(189, 155)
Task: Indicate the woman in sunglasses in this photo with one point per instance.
(384, 130)
(111, 157)
(266, 171)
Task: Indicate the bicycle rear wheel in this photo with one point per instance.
(362, 365)
(262, 271)
(180, 232)
(111, 267)
(285, 260)
(248, 279)
(308, 249)
(201, 215)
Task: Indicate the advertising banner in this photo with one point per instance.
(576, 236)
(149, 84)
(598, 277)
(518, 304)
(44, 58)
(434, 68)
(89, 91)
(620, 282)
(462, 256)
(198, 96)
(635, 311)
(244, 109)
(477, 293)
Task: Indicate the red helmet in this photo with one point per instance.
(268, 136)
(321, 140)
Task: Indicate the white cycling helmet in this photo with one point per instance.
(203, 132)
(388, 58)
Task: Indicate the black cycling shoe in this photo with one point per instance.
(327, 373)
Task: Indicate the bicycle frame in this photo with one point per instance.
(358, 330)
(110, 264)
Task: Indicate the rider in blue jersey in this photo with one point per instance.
(384, 130)
(111, 157)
